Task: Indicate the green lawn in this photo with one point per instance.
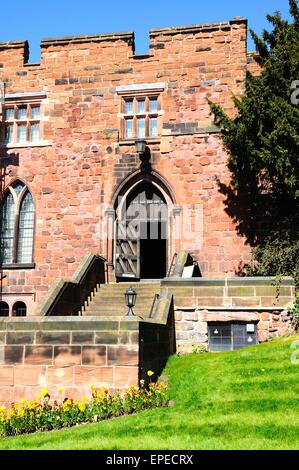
(247, 399)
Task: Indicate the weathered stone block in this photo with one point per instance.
(30, 375)
(263, 335)
(129, 325)
(181, 302)
(202, 328)
(265, 316)
(273, 291)
(280, 301)
(6, 395)
(13, 354)
(208, 291)
(52, 338)
(82, 337)
(60, 376)
(185, 326)
(246, 302)
(94, 355)
(106, 337)
(99, 376)
(263, 325)
(6, 375)
(125, 376)
(67, 355)
(241, 291)
(192, 316)
(22, 325)
(178, 315)
(19, 338)
(122, 356)
(38, 355)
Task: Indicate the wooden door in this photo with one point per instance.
(145, 207)
(127, 257)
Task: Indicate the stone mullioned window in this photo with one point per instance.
(141, 111)
(21, 123)
(22, 118)
(140, 117)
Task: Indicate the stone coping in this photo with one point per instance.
(196, 27)
(225, 282)
(13, 44)
(125, 36)
(74, 323)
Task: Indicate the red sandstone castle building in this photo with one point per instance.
(112, 169)
(93, 131)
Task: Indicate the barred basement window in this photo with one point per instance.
(140, 117)
(19, 309)
(17, 230)
(22, 123)
(231, 336)
(4, 309)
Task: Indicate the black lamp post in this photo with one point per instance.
(130, 297)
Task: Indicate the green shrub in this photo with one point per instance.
(295, 311)
(278, 256)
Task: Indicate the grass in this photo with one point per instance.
(246, 399)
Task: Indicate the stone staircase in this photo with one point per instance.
(108, 300)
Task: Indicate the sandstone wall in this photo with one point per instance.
(75, 171)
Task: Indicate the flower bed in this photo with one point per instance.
(42, 415)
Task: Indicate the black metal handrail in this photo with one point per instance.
(172, 264)
(156, 298)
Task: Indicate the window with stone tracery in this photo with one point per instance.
(17, 225)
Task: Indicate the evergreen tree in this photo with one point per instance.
(263, 139)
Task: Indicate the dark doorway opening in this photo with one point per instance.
(153, 252)
(141, 243)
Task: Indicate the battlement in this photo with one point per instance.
(196, 28)
(16, 53)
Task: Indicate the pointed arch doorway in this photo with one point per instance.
(143, 229)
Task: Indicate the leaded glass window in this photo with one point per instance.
(17, 231)
(8, 223)
(22, 123)
(141, 117)
(26, 230)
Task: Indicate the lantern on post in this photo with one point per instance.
(130, 296)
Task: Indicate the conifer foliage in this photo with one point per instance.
(263, 140)
(263, 145)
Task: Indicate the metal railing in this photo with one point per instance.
(172, 265)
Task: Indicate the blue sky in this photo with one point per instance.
(34, 20)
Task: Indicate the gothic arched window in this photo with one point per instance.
(17, 225)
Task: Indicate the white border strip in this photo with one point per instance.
(26, 95)
(141, 87)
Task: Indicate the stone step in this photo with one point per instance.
(117, 301)
(122, 303)
(109, 300)
(121, 298)
(124, 287)
(122, 291)
(106, 312)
